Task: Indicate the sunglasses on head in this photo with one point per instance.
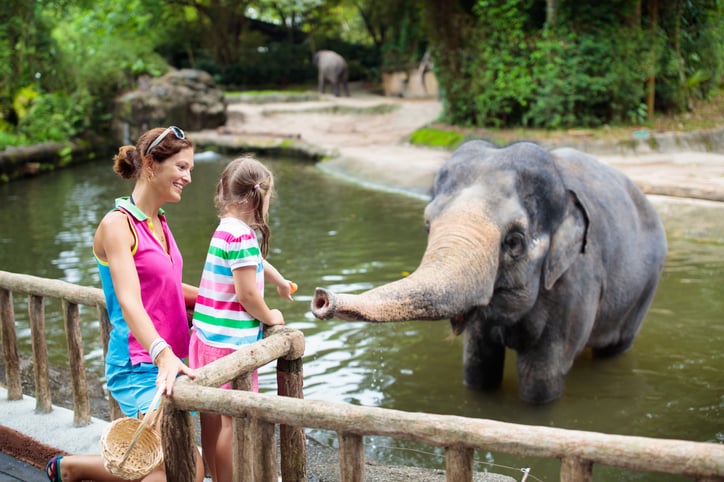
(176, 131)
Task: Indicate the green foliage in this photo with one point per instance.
(502, 63)
(502, 83)
(9, 139)
(54, 117)
(437, 138)
(579, 82)
(67, 61)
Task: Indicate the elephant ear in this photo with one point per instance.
(567, 242)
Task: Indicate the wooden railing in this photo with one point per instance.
(255, 415)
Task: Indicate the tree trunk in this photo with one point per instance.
(551, 12)
(651, 80)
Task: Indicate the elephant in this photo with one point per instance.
(332, 68)
(545, 252)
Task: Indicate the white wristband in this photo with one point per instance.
(158, 345)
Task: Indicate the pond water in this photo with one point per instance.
(330, 233)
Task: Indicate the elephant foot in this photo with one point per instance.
(539, 392)
(482, 383)
(613, 349)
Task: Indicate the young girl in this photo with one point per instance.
(230, 307)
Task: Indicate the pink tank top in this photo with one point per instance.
(160, 275)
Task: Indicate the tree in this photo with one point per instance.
(564, 63)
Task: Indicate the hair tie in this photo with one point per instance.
(256, 186)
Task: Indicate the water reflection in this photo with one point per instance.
(342, 237)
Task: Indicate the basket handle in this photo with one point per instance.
(157, 400)
(156, 407)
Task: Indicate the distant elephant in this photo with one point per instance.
(543, 252)
(332, 68)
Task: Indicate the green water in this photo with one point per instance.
(326, 232)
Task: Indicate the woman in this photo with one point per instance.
(141, 270)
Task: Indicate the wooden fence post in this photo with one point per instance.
(292, 440)
(105, 326)
(36, 316)
(459, 464)
(243, 434)
(351, 458)
(266, 448)
(179, 444)
(574, 469)
(10, 346)
(81, 402)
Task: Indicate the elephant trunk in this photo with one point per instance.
(457, 271)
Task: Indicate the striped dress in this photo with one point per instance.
(220, 320)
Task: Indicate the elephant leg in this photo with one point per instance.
(483, 359)
(335, 88)
(541, 377)
(630, 323)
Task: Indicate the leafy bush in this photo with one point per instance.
(55, 116)
(503, 63)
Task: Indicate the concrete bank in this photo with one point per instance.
(364, 138)
(30, 439)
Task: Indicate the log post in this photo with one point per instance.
(290, 381)
(351, 458)
(10, 346)
(266, 445)
(36, 316)
(574, 469)
(459, 464)
(179, 444)
(105, 326)
(242, 442)
(81, 402)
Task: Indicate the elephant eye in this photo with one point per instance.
(514, 244)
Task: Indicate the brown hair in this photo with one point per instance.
(130, 160)
(246, 179)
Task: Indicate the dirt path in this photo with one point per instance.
(364, 137)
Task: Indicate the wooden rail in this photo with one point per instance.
(255, 415)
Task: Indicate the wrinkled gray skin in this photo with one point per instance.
(332, 69)
(546, 253)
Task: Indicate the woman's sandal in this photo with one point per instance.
(52, 469)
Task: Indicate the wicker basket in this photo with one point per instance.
(146, 453)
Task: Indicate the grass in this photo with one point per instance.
(704, 115)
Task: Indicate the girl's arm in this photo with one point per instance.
(285, 288)
(251, 299)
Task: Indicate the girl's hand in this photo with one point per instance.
(169, 367)
(276, 318)
(287, 289)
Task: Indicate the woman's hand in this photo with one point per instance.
(169, 367)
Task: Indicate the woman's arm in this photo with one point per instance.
(113, 243)
(190, 295)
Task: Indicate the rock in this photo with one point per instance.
(187, 98)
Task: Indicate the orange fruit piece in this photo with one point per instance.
(293, 287)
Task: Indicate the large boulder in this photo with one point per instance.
(186, 98)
